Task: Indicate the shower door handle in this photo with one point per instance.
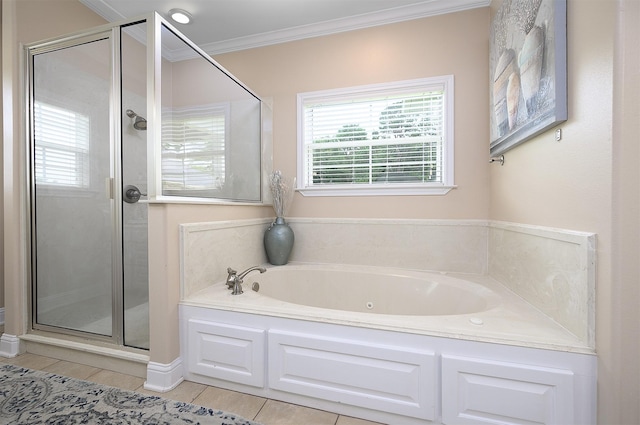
(132, 194)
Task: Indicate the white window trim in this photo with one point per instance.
(442, 188)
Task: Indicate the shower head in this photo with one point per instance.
(139, 123)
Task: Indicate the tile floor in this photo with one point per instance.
(265, 411)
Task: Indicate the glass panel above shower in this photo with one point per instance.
(210, 129)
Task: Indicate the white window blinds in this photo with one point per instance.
(61, 146)
(388, 136)
(193, 150)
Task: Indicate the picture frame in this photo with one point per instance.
(528, 71)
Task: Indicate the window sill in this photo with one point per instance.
(375, 191)
(164, 199)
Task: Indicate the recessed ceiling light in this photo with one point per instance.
(180, 16)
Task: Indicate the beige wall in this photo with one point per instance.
(40, 19)
(415, 49)
(579, 183)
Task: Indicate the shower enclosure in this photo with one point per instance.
(113, 125)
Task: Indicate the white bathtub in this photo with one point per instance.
(461, 306)
(388, 345)
(374, 290)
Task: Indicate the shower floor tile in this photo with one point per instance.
(94, 316)
(84, 315)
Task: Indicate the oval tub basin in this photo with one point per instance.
(370, 290)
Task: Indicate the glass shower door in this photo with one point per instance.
(73, 211)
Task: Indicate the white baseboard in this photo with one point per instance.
(164, 377)
(9, 345)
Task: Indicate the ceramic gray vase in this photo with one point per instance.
(278, 242)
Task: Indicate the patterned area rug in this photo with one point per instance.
(33, 397)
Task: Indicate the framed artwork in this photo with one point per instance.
(528, 71)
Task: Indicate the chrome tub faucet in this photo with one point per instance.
(235, 279)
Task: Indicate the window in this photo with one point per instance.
(61, 146)
(193, 151)
(385, 139)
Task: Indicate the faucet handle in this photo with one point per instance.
(232, 276)
(237, 287)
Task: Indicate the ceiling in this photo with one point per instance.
(221, 26)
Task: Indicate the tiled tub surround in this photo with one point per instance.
(551, 269)
(207, 249)
(394, 368)
(435, 245)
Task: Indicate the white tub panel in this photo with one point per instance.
(228, 352)
(480, 391)
(373, 374)
(360, 373)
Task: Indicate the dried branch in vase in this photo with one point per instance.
(281, 191)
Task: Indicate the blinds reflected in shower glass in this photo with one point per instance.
(211, 144)
(194, 149)
(61, 147)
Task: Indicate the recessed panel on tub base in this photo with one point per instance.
(232, 353)
(359, 373)
(479, 391)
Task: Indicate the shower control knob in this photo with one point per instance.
(132, 194)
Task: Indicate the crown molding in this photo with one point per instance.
(424, 9)
(351, 23)
(104, 10)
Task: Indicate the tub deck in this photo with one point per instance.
(512, 321)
